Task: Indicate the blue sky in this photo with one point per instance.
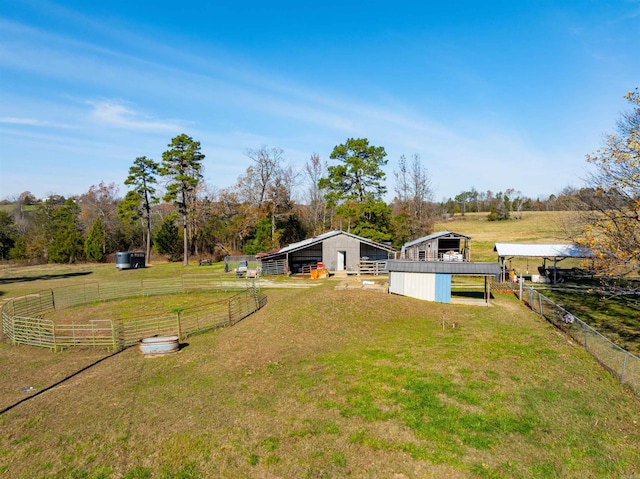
(491, 95)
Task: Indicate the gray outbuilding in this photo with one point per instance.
(336, 250)
(440, 246)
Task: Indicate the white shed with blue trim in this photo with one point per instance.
(431, 281)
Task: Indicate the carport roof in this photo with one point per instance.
(529, 250)
(460, 268)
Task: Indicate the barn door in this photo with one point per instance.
(342, 260)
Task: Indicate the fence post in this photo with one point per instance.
(229, 311)
(521, 287)
(540, 301)
(179, 327)
(624, 365)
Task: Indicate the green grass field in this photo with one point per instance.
(321, 382)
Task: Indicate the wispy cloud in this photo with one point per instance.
(118, 115)
(32, 122)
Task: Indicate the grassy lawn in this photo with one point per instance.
(326, 383)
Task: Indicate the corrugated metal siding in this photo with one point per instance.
(443, 288)
(425, 286)
(348, 244)
(396, 283)
(414, 285)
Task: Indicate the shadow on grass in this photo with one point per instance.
(470, 294)
(42, 391)
(24, 279)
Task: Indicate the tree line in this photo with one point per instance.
(170, 209)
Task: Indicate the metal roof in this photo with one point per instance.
(461, 268)
(529, 250)
(433, 236)
(320, 238)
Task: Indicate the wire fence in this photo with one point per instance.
(618, 361)
(23, 319)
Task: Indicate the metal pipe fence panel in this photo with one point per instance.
(162, 286)
(132, 330)
(76, 294)
(95, 333)
(120, 333)
(7, 329)
(619, 362)
(32, 304)
(203, 319)
(33, 332)
(121, 290)
(273, 268)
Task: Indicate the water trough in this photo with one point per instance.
(159, 345)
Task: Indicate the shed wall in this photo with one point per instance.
(443, 288)
(425, 286)
(426, 251)
(415, 285)
(331, 247)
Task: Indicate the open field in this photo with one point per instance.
(326, 383)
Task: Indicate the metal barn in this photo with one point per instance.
(336, 250)
(431, 280)
(441, 246)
